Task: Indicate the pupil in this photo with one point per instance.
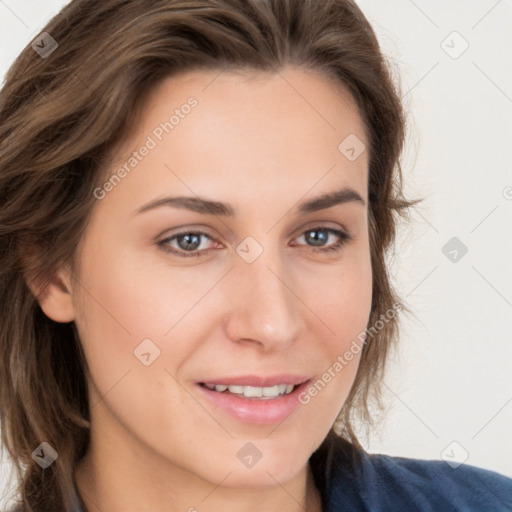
(192, 241)
(318, 238)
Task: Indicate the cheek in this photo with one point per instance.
(345, 310)
(113, 316)
(341, 296)
(125, 301)
(343, 304)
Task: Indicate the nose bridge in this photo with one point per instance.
(265, 309)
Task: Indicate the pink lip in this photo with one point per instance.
(254, 410)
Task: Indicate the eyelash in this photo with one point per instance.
(334, 248)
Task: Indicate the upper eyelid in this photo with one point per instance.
(321, 225)
(298, 231)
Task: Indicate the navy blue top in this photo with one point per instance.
(349, 479)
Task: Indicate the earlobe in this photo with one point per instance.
(55, 298)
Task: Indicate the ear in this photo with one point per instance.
(55, 298)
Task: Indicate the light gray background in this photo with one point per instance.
(449, 392)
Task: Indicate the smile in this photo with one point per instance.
(253, 399)
(263, 393)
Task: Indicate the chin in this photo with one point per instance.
(274, 466)
(267, 468)
(262, 476)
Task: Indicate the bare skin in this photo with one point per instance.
(263, 143)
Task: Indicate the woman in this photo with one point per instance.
(197, 198)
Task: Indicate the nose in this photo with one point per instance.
(264, 307)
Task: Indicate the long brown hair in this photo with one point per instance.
(60, 118)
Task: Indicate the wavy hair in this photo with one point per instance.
(60, 119)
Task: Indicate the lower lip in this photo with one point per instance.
(254, 410)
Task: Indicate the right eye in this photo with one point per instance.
(187, 243)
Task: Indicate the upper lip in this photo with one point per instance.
(258, 381)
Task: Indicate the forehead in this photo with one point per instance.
(251, 132)
(253, 100)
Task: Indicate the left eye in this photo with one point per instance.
(189, 242)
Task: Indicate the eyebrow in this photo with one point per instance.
(206, 206)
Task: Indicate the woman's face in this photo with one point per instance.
(173, 294)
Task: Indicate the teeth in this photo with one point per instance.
(251, 392)
(273, 391)
(254, 392)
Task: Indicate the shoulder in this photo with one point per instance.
(435, 485)
(357, 481)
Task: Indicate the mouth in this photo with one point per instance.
(252, 399)
(252, 392)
